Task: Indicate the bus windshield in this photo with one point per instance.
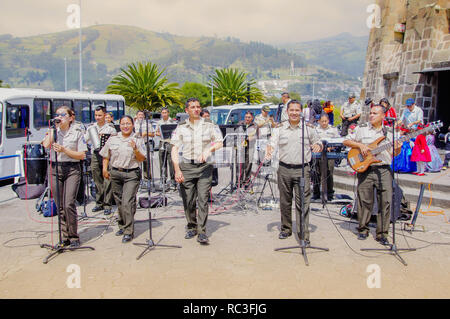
(219, 116)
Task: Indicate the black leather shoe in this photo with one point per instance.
(284, 235)
(190, 234)
(383, 241)
(75, 244)
(127, 238)
(97, 209)
(107, 211)
(362, 236)
(202, 239)
(119, 232)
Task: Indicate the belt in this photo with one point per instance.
(65, 164)
(126, 170)
(295, 166)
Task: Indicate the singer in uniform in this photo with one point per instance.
(71, 148)
(378, 176)
(103, 196)
(326, 132)
(123, 153)
(288, 139)
(193, 171)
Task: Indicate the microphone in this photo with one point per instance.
(390, 119)
(56, 121)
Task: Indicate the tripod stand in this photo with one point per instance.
(86, 179)
(393, 247)
(150, 244)
(266, 182)
(301, 184)
(59, 248)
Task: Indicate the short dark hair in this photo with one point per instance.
(164, 109)
(249, 112)
(323, 114)
(101, 108)
(192, 99)
(128, 117)
(203, 112)
(385, 100)
(294, 102)
(285, 93)
(140, 111)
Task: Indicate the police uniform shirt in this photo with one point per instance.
(192, 139)
(107, 128)
(328, 133)
(264, 130)
(367, 134)
(120, 152)
(350, 110)
(72, 139)
(288, 138)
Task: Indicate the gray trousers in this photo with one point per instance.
(69, 176)
(165, 159)
(288, 184)
(380, 178)
(194, 192)
(103, 196)
(125, 186)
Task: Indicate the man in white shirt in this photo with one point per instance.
(412, 116)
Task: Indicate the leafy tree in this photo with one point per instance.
(230, 87)
(144, 87)
(197, 90)
(4, 85)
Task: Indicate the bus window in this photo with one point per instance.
(82, 111)
(58, 103)
(1, 120)
(238, 115)
(95, 104)
(121, 109)
(113, 107)
(17, 119)
(41, 113)
(219, 116)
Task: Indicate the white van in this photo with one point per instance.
(233, 114)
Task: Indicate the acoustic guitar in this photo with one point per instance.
(360, 163)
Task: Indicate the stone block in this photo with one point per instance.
(427, 91)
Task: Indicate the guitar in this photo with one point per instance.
(360, 163)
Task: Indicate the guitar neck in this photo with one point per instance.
(407, 137)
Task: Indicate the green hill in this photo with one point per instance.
(343, 53)
(38, 61)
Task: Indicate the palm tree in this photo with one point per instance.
(230, 87)
(144, 87)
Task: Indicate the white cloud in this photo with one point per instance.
(270, 21)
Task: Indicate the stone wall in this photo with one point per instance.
(394, 60)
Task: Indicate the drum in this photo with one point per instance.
(34, 162)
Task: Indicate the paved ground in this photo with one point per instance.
(240, 261)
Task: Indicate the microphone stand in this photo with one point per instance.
(393, 247)
(150, 244)
(301, 184)
(58, 248)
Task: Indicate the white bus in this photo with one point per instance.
(31, 110)
(233, 114)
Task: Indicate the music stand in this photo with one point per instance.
(58, 249)
(150, 244)
(301, 183)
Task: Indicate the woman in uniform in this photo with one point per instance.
(123, 153)
(71, 148)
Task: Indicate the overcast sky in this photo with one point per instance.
(269, 21)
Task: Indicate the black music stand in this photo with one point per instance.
(59, 248)
(393, 247)
(150, 244)
(301, 183)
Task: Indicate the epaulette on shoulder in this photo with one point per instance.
(208, 121)
(183, 122)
